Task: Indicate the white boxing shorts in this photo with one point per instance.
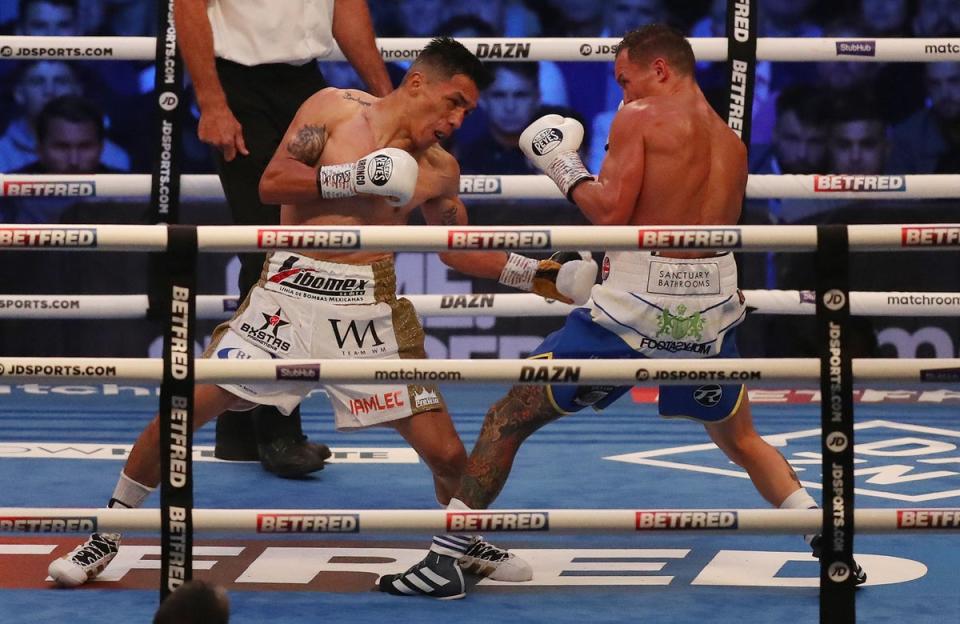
(312, 309)
(668, 307)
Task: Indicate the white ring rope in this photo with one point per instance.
(224, 238)
(531, 48)
(769, 521)
(753, 371)
(501, 187)
(779, 302)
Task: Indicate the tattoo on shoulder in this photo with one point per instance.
(307, 145)
(353, 98)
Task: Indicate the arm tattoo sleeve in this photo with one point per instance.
(307, 145)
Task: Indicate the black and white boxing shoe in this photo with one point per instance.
(859, 576)
(86, 561)
(497, 564)
(437, 576)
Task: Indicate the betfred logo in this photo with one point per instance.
(496, 521)
(280, 238)
(80, 188)
(486, 239)
(857, 48)
(858, 183)
(39, 524)
(680, 520)
(928, 518)
(929, 236)
(480, 185)
(308, 523)
(716, 238)
(48, 237)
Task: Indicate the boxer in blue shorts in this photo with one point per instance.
(671, 161)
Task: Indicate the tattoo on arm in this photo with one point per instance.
(307, 145)
(353, 98)
(448, 214)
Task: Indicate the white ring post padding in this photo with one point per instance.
(501, 187)
(769, 521)
(500, 305)
(752, 371)
(523, 48)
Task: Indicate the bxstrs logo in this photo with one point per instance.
(273, 322)
(382, 168)
(268, 333)
(546, 141)
(708, 396)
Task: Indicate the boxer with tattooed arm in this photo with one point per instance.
(350, 159)
(671, 161)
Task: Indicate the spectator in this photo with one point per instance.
(925, 138)
(571, 18)
(857, 141)
(47, 18)
(421, 18)
(510, 104)
(195, 602)
(885, 18)
(69, 141)
(937, 18)
(799, 135)
(39, 82)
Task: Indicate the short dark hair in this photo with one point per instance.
(194, 602)
(803, 101)
(467, 22)
(22, 7)
(449, 57)
(527, 71)
(653, 40)
(74, 108)
(850, 107)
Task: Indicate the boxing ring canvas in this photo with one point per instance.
(63, 445)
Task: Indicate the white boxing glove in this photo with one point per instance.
(551, 144)
(566, 276)
(389, 172)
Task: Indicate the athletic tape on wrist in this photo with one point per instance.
(567, 170)
(335, 181)
(519, 271)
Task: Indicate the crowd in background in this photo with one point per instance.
(867, 118)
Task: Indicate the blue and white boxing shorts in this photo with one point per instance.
(654, 307)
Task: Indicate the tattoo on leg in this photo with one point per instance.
(508, 423)
(307, 145)
(793, 473)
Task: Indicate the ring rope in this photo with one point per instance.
(789, 49)
(220, 238)
(501, 187)
(754, 371)
(773, 302)
(770, 521)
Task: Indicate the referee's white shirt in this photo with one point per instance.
(254, 32)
